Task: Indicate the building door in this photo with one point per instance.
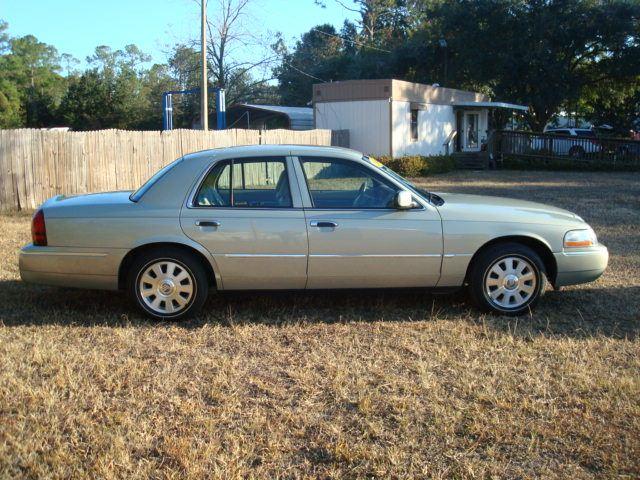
(471, 132)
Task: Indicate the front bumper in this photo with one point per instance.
(581, 266)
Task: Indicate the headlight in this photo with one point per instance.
(580, 239)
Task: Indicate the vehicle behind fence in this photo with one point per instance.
(570, 151)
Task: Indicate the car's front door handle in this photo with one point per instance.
(207, 223)
(320, 224)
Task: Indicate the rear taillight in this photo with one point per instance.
(38, 229)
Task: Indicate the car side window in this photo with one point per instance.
(246, 183)
(215, 190)
(586, 133)
(343, 184)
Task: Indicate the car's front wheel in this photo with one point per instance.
(507, 278)
(168, 283)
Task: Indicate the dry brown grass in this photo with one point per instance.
(334, 385)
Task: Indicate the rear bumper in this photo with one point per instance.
(581, 266)
(71, 267)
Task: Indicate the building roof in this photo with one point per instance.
(300, 118)
(508, 106)
(385, 89)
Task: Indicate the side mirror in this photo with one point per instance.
(404, 200)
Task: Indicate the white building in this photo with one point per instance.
(393, 117)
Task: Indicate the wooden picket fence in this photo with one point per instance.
(38, 164)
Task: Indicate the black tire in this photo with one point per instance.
(577, 152)
(481, 269)
(183, 260)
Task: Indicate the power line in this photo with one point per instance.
(351, 41)
(335, 36)
(329, 35)
(303, 72)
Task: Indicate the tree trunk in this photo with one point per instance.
(538, 119)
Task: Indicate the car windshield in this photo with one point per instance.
(422, 193)
(137, 195)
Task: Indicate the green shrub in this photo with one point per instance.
(406, 166)
(438, 164)
(416, 165)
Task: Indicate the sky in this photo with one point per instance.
(78, 26)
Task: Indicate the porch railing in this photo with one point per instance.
(575, 149)
(447, 143)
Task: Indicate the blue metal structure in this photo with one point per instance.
(167, 107)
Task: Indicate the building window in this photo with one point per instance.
(414, 125)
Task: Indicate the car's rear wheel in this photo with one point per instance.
(168, 283)
(507, 278)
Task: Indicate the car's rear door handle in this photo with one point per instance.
(207, 223)
(325, 224)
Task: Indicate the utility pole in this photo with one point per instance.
(204, 111)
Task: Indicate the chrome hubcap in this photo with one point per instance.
(510, 282)
(166, 287)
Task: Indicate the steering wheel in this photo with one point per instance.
(362, 193)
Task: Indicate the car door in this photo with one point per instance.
(357, 238)
(588, 140)
(246, 213)
(562, 144)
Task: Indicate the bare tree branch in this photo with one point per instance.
(231, 47)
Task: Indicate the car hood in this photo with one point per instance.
(474, 208)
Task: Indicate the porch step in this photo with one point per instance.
(472, 160)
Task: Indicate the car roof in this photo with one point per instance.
(276, 150)
(569, 128)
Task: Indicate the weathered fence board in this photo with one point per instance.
(38, 164)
